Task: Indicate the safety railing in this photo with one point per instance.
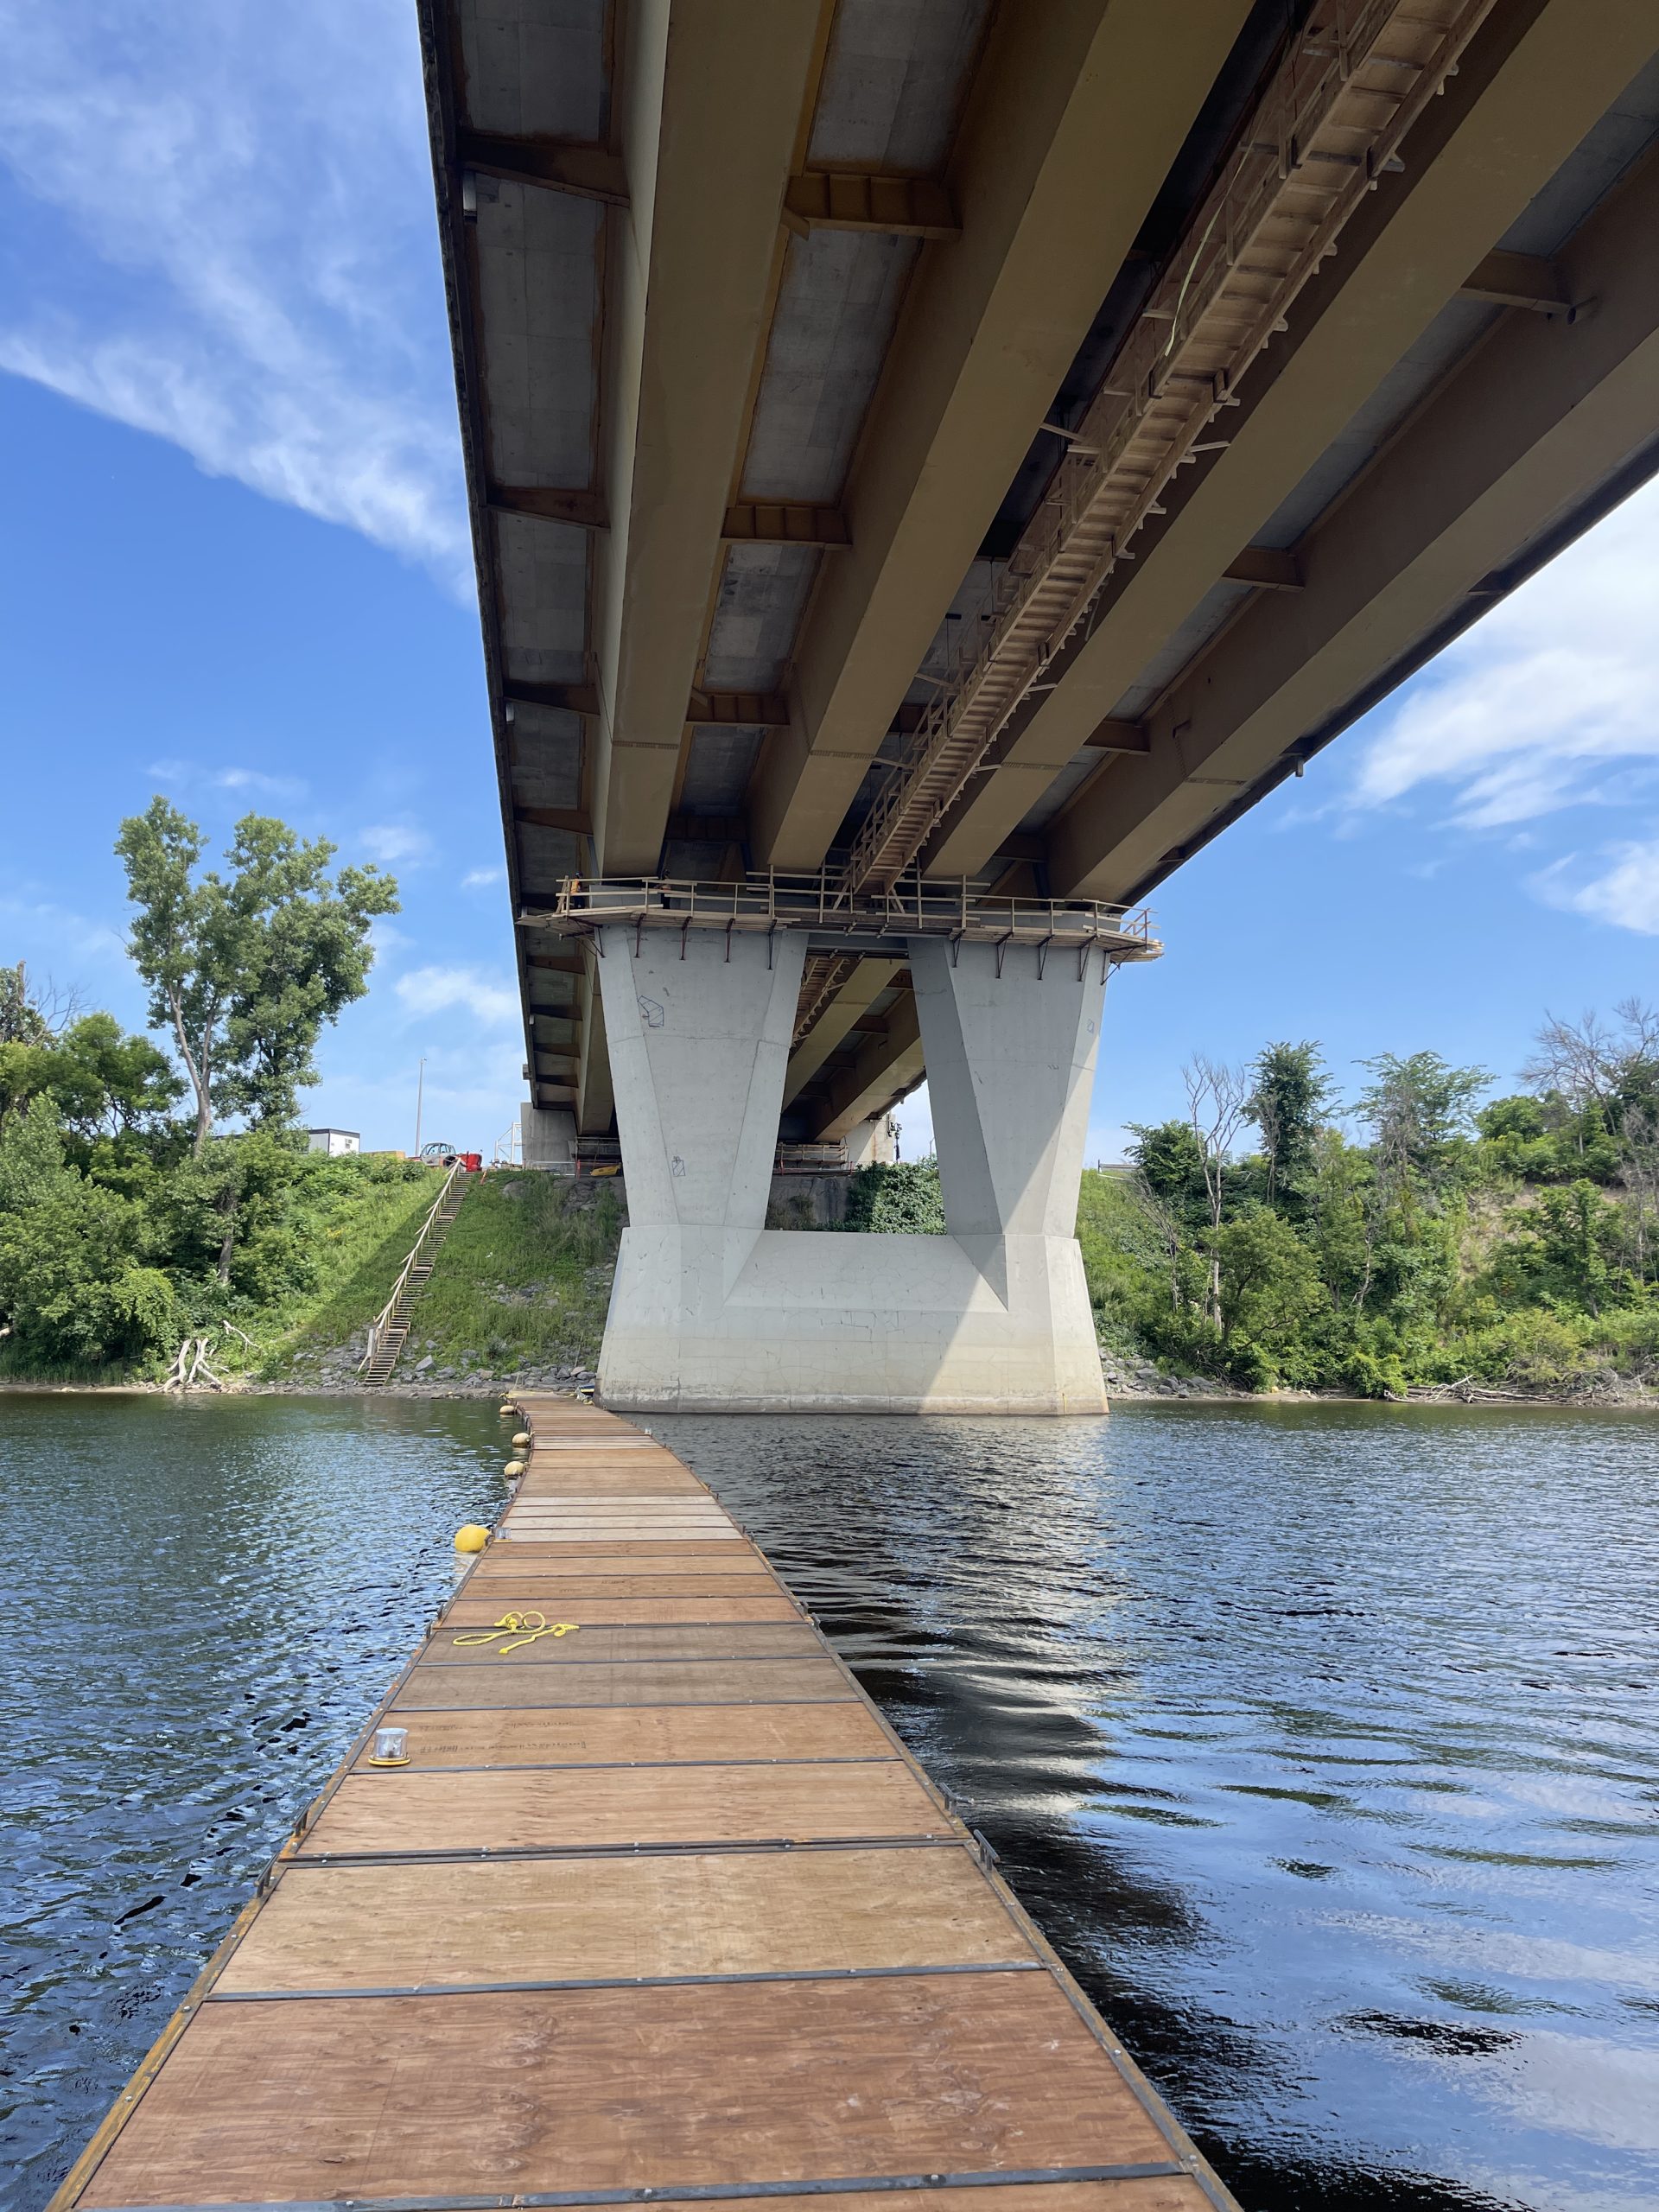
(913, 906)
(382, 1321)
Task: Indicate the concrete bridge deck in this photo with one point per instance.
(659, 1909)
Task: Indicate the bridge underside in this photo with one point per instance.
(938, 442)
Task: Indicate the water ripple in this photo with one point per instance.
(1322, 1741)
(206, 1601)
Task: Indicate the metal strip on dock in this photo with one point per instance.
(659, 1910)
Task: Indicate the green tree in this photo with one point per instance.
(1270, 1284)
(74, 1279)
(1170, 1162)
(245, 968)
(105, 1082)
(1291, 1096)
(31, 1155)
(1416, 1108)
(223, 1212)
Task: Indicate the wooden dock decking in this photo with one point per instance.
(659, 1910)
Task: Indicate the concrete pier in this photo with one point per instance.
(712, 1310)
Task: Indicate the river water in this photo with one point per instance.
(1322, 1741)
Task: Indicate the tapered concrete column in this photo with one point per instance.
(1010, 1071)
(699, 1036)
(699, 1033)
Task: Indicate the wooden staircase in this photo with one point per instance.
(390, 1332)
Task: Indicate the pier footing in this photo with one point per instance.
(712, 1311)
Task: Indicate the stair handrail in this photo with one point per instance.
(376, 1328)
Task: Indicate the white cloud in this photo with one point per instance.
(254, 781)
(434, 990)
(1625, 893)
(389, 842)
(225, 223)
(60, 928)
(480, 879)
(1552, 701)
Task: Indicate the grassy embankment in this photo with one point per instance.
(522, 1280)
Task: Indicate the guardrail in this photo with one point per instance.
(911, 907)
(378, 1325)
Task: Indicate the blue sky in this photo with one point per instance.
(237, 571)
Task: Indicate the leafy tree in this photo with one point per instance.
(244, 969)
(31, 1155)
(223, 1212)
(1291, 1096)
(1270, 1282)
(1416, 1108)
(1170, 1162)
(1522, 1117)
(74, 1284)
(105, 1082)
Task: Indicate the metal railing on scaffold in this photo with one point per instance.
(912, 906)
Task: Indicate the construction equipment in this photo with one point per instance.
(443, 1154)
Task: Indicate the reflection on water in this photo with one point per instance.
(1322, 1741)
(205, 1601)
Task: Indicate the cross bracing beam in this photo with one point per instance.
(1525, 93)
(844, 200)
(1519, 280)
(547, 503)
(1539, 431)
(785, 521)
(590, 172)
(1078, 108)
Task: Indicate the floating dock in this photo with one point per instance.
(659, 1910)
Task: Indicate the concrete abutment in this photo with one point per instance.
(712, 1311)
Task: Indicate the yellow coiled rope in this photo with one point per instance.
(523, 1628)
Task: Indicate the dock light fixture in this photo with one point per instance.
(390, 1747)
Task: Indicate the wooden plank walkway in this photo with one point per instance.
(660, 1908)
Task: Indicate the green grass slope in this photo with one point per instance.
(358, 1237)
(521, 1281)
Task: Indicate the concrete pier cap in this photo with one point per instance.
(712, 1311)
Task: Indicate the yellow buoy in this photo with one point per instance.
(472, 1538)
(513, 1467)
(507, 1412)
(523, 1437)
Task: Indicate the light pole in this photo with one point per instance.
(420, 1094)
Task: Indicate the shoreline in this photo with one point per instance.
(1173, 1392)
